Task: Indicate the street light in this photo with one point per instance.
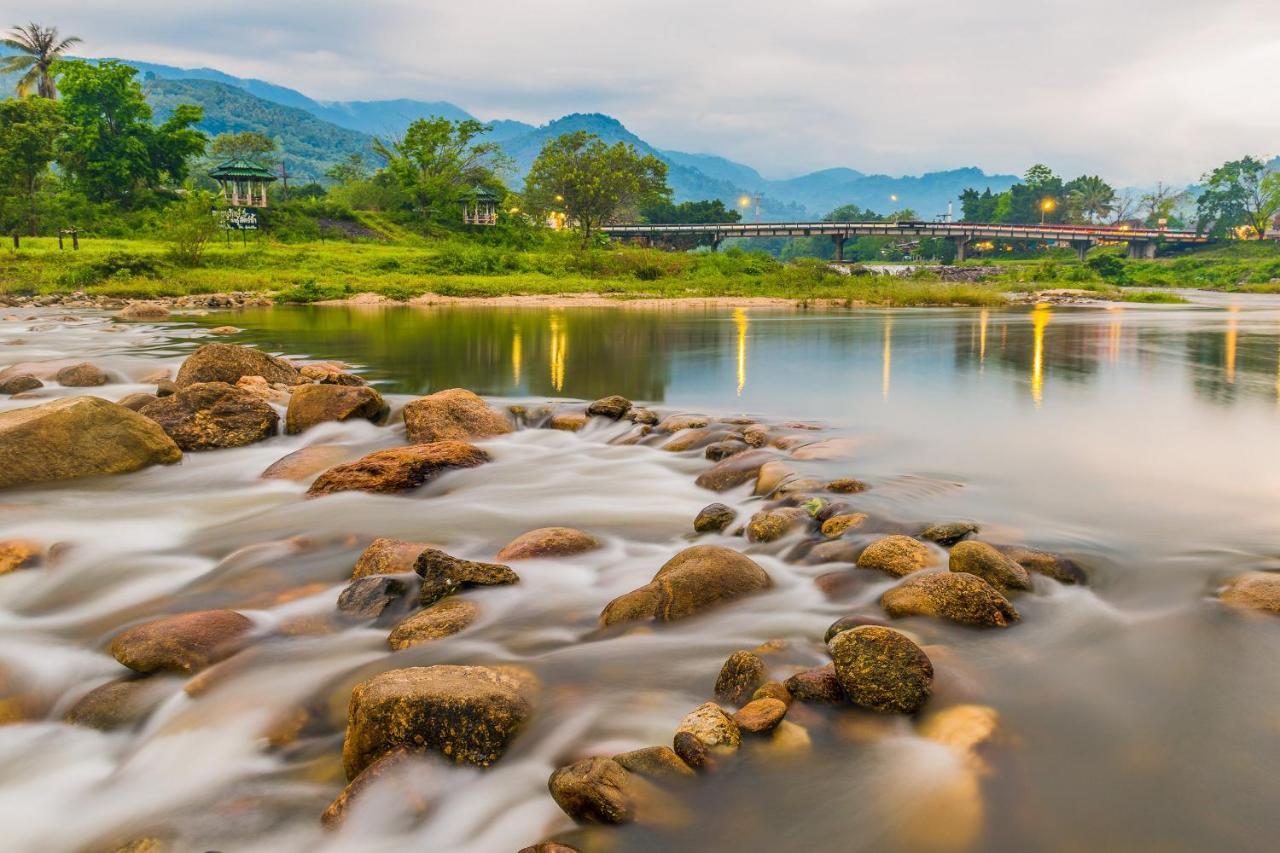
(1046, 206)
(744, 202)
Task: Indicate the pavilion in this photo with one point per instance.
(243, 182)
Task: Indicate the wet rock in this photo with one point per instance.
(440, 620)
(314, 404)
(963, 728)
(881, 669)
(642, 416)
(600, 790)
(468, 714)
(614, 408)
(224, 330)
(264, 390)
(896, 555)
(549, 847)
(137, 400)
(846, 486)
(830, 448)
(741, 674)
(756, 436)
(838, 525)
(771, 476)
(841, 583)
(695, 438)
(329, 373)
(116, 704)
(692, 581)
(798, 489)
(836, 551)
(78, 437)
(228, 362)
(1254, 590)
(83, 375)
(452, 415)
(819, 686)
(151, 377)
(386, 556)
(760, 716)
(659, 763)
(568, 421)
(166, 388)
(957, 596)
(771, 525)
(713, 518)
(715, 729)
(948, 533)
(372, 597)
(1045, 563)
(142, 311)
(788, 742)
(212, 415)
(724, 449)
(443, 575)
(398, 469)
(185, 643)
(693, 752)
(305, 463)
(548, 542)
(389, 771)
(848, 623)
(18, 554)
(20, 383)
(981, 560)
(773, 690)
(734, 471)
(676, 423)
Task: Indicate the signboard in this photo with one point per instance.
(237, 219)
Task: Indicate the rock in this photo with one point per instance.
(896, 555)
(694, 438)
(963, 728)
(798, 489)
(835, 551)
(957, 596)
(263, 390)
(443, 575)
(398, 469)
(692, 581)
(734, 471)
(1254, 590)
(614, 408)
(549, 847)
(881, 669)
(848, 623)
(600, 790)
(829, 448)
(224, 330)
(78, 437)
(228, 362)
(386, 556)
(20, 383)
(981, 560)
(642, 416)
(548, 542)
(83, 375)
(724, 449)
(166, 388)
(329, 373)
(787, 742)
(1045, 563)
(819, 686)
(755, 436)
(388, 770)
(713, 728)
(846, 486)
(741, 674)
(949, 533)
(659, 763)
(184, 643)
(212, 415)
(675, 423)
(440, 620)
(304, 463)
(713, 518)
(18, 554)
(760, 716)
(142, 311)
(452, 415)
(136, 400)
(773, 690)
(313, 404)
(468, 714)
(116, 704)
(568, 421)
(770, 525)
(693, 752)
(372, 597)
(838, 525)
(771, 476)
(151, 377)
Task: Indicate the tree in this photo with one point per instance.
(245, 145)
(1091, 197)
(438, 162)
(38, 49)
(852, 213)
(689, 212)
(593, 182)
(348, 170)
(1238, 193)
(29, 131)
(1160, 202)
(190, 226)
(1122, 208)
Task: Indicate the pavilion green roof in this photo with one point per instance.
(242, 168)
(482, 194)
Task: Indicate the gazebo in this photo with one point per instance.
(243, 182)
(480, 207)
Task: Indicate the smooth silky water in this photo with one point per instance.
(1136, 713)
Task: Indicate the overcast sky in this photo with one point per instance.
(1137, 90)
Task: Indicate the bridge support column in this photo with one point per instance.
(962, 248)
(1141, 250)
(838, 239)
(1082, 248)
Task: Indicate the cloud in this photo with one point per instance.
(1137, 91)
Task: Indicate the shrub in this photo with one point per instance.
(1109, 267)
(190, 225)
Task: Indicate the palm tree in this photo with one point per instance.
(38, 48)
(1092, 196)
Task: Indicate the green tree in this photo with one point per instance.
(1089, 198)
(38, 48)
(29, 131)
(852, 213)
(591, 182)
(245, 145)
(1238, 193)
(1161, 202)
(438, 162)
(350, 169)
(190, 225)
(689, 212)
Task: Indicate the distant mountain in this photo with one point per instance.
(928, 194)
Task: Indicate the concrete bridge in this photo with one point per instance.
(1142, 242)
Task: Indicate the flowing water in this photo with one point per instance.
(1135, 713)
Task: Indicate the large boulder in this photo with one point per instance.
(398, 469)
(314, 404)
(468, 714)
(186, 643)
(386, 556)
(548, 542)
(212, 415)
(228, 362)
(984, 561)
(896, 555)
(444, 574)
(734, 471)
(438, 621)
(881, 669)
(958, 596)
(1255, 591)
(692, 581)
(78, 437)
(452, 415)
(84, 375)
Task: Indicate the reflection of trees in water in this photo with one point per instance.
(1230, 365)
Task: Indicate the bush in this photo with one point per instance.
(190, 225)
(312, 291)
(1109, 267)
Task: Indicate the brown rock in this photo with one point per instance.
(386, 556)
(228, 362)
(981, 560)
(398, 469)
(452, 415)
(693, 580)
(771, 476)
(1255, 591)
(773, 690)
(185, 643)
(443, 575)
(166, 387)
(694, 438)
(756, 435)
(389, 770)
(548, 542)
(137, 400)
(19, 384)
(305, 463)
(614, 408)
(19, 554)
(817, 686)
(724, 449)
(117, 703)
(957, 596)
(600, 790)
(734, 471)
(770, 525)
(846, 486)
(949, 533)
(715, 729)
(659, 763)
(760, 716)
(848, 623)
(263, 390)
(83, 375)
(374, 597)
(142, 311)
(642, 416)
(224, 330)
(741, 674)
(835, 551)
(881, 669)
(313, 404)
(438, 621)
(211, 415)
(568, 421)
(896, 555)
(675, 423)
(693, 752)
(713, 518)
(837, 525)
(1045, 563)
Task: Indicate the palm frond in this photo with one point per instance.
(66, 43)
(12, 64)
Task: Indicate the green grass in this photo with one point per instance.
(1153, 297)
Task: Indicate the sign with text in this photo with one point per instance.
(237, 219)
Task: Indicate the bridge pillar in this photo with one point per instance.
(1141, 250)
(1082, 248)
(838, 239)
(962, 248)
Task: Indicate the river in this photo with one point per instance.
(1135, 713)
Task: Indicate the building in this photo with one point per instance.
(243, 182)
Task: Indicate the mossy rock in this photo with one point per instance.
(881, 669)
(398, 469)
(213, 415)
(984, 561)
(957, 596)
(229, 362)
(455, 414)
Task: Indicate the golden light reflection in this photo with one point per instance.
(983, 316)
(740, 321)
(517, 356)
(1114, 333)
(1230, 354)
(1039, 319)
(558, 347)
(888, 356)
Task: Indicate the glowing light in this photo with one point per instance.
(1048, 204)
(558, 347)
(893, 198)
(888, 356)
(983, 316)
(1039, 319)
(559, 198)
(517, 357)
(740, 320)
(744, 202)
(1114, 333)
(1230, 354)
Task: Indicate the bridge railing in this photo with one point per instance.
(913, 228)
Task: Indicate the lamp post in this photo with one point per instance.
(1046, 205)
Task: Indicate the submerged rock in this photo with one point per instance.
(142, 311)
(881, 669)
(443, 575)
(440, 620)
(600, 790)
(958, 596)
(614, 408)
(18, 554)
(949, 533)
(19, 384)
(981, 560)
(314, 404)
(838, 525)
(386, 556)
(760, 716)
(896, 555)
(1045, 563)
(713, 518)
(734, 471)
(78, 437)
(741, 674)
(771, 476)
(549, 542)
(659, 763)
(769, 525)
(468, 714)
(692, 581)
(117, 704)
(212, 415)
(389, 770)
(452, 415)
(1254, 590)
(228, 362)
(185, 643)
(304, 463)
(846, 486)
(84, 375)
(398, 469)
(372, 597)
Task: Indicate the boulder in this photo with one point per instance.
(373, 597)
(771, 476)
(770, 525)
(19, 554)
(389, 771)
(468, 714)
(713, 518)
(675, 423)
(78, 437)
(453, 415)
(386, 556)
(443, 575)
(846, 486)
(848, 623)
(715, 729)
(614, 408)
(305, 463)
(19, 383)
(659, 763)
(212, 415)
(692, 581)
(1255, 591)
(734, 471)
(184, 643)
(600, 790)
(136, 400)
(438, 621)
(819, 686)
(398, 469)
(881, 669)
(760, 716)
(548, 542)
(142, 311)
(644, 417)
(84, 375)
(896, 555)
(568, 421)
(228, 362)
(957, 596)
(838, 525)
(1045, 563)
(948, 533)
(314, 404)
(755, 435)
(117, 704)
(724, 449)
(741, 674)
(981, 560)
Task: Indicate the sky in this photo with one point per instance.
(1135, 90)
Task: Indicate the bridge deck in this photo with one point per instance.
(953, 230)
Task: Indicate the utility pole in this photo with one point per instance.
(757, 199)
(284, 178)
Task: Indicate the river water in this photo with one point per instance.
(1135, 713)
